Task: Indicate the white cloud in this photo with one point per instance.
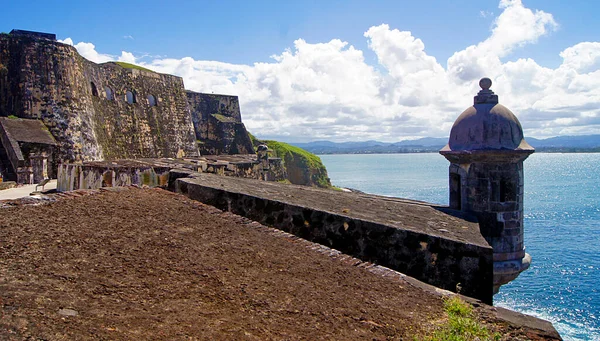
(127, 57)
(88, 51)
(485, 14)
(328, 90)
(583, 57)
(67, 41)
(514, 27)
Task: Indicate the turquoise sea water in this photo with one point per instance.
(562, 227)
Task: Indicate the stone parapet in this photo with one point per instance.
(420, 240)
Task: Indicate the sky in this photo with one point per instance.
(351, 70)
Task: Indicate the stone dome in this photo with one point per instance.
(487, 125)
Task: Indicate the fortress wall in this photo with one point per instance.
(48, 80)
(157, 124)
(218, 124)
(442, 262)
(203, 105)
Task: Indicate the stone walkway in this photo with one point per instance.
(24, 191)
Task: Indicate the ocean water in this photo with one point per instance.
(562, 227)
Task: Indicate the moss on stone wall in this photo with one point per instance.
(223, 118)
(302, 167)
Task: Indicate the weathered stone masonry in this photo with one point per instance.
(106, 111)
(154, 172)
(218, 124)
(27, 150)
(50, 81)
(146, 117)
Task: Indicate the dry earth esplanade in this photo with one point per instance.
(486, 150)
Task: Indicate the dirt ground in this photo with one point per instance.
(146, 264)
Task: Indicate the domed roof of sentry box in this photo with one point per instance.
(487, 125)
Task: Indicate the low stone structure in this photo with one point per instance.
(33, 34)
(486, 150)
(27, 150)
(154, 172)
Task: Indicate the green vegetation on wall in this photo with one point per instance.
(302, 167)
(223, 118)
(132, 66)
(255, 142)
(310, 166)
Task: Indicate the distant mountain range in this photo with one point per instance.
(561, 144)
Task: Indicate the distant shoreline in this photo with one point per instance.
(559, 144)
(541, 150)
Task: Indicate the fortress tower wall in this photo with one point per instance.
(43, 79)
(218, 124)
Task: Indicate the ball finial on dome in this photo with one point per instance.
(485, 83)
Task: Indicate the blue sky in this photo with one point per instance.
(251, 31)
(302, 94)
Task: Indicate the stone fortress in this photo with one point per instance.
(106, 125)
(101, 111)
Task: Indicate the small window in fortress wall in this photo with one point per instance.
(109, 93)
(151, 100)
(130, 97)
(94, 89)
(508, 190)
(505, 190)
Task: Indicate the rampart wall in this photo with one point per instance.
(43, 79)
(461, 261)
(139, 113)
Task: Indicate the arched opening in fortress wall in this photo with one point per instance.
(130, 97)
(109, 93)
(151, 100)
(94, 89)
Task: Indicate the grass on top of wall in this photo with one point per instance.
(132, 66)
